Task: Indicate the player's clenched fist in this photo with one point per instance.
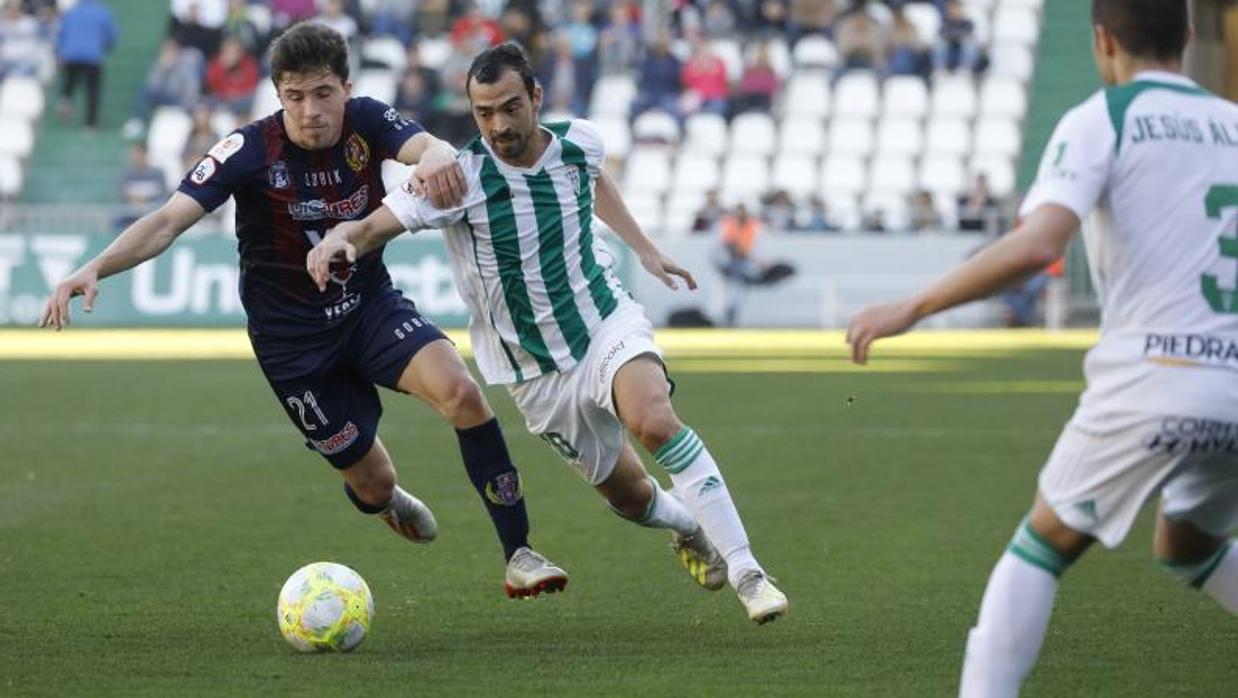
(83, 282)
(334, 246)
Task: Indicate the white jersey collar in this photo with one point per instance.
(1163, 76)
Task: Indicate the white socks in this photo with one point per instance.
(1222, 584)
(664, 511)
(699, 485)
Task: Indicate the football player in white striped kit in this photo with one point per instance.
(1154, 159)
(552, 323)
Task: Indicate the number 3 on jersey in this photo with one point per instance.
(1222, 300)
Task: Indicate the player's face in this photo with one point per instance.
(314, 107)
(506, 116)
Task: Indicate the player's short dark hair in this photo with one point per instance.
(489, 65)
(309, 47)
(1146, 28)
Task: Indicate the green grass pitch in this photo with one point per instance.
(149, 513)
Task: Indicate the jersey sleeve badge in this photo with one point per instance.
(226, 148)
(204, 171)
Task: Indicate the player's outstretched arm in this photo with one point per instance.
(1036, 243)
(614, 212)
(438, 172)
(350, 240)
(145, 239)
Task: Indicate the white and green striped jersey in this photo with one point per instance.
(1152, 167)
(537, 280)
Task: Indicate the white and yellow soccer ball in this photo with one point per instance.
(325, 607)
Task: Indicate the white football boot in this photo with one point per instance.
(763, 601)
(702, 560)
(409, 517)
(529, 573)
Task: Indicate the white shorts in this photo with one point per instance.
(1096, 481)
(574, 411)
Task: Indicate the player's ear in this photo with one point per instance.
(347, 89)
(537, 97)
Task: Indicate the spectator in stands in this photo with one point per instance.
(239, 26)
(815, 218)
(772, 18)
(619, 42)
(861, 40)
(758, 86)
(20, 52)
(719, 19)
(453, 117)
(174, 80)
(201, 137)
(659, 80)
(978, 207)
(704, 80)
(875, 222)
(711, 212)
(198, 25)
(285, 13)
(518, 25)
(907, 52)
(922, 213)
(432, 18)
(778, 211)
(87, 34)
(143, 187)
(810, 17)
(475, 28)
(333, 16)
(583, 36)
(418, 89)
(232, 77)
(557, 74)
(739, 268)
(393, 18)
(956, 44)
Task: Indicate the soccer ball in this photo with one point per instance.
(325, 607)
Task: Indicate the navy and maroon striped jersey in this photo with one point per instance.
(287, 198)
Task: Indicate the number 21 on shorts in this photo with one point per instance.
(300, 405)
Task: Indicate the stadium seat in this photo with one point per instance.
(223, 122)
(260, 15)
(795, 174)
(705, 133)
(169, 130)
(616, 135)
(1012, 61)
(954, 95)
(892, 174)
(857, 95)
(395, 174)
(1003, 97)
(648, 169)
(1029, 4)
(16, 137)
(679, 213)
(10, 177)
(925, 18)
(266, 100)
(646, 208)
(905, 95)
(948, 136)
(999, 171)
(655, 126)
(843, 211)
(979, 14)
(1013, 25)
(892, 207)
(744, 177)
(753, 133)
(800, 136)
(807, 95)
(851, 137)
(22, 97)
(612, 96)
(997, 136)
(434, 51)
(842, 175)
(900, 136)
(732, 57)
(385, 50)
(379, 84)
(696, 173)
(779, 55)
(942, 175)
(814, 52)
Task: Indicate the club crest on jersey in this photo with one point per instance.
(277, 175)
(204, 171)
(573, 176)
(228, 147)
(357, 152)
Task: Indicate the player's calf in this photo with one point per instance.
(403, 513)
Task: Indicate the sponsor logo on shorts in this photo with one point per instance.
(204, 171)
(1191, 350)
(610, 356)
(1191, 435)
(504, 489)
(337, 442)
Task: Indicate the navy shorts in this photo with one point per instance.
(327, 382)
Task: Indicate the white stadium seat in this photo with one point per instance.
(434, 51)
(616, 136)
(844, 211)
(744, 176)
(732, 57)
(753, 133)
(696, 173)
(779, 55)
(795, 174)
(925, 18)
(954, 95)
(814, 52)
(997, 136)
(900, 136)
(612, 96)
(385, 50)
(648, 169)
(1015, 26)
(947, 136)
(892, 207)
(851, 137)
(379, 84)
(842, 175)
(16, 137)
(905, 95)
(22, 97)
(706, 133)
(800, 136)
(646, 208)
(857, 95)
(807, 96)
(266, 100)
(10, 177)
(1003, 97)
(1012, 61)
(892, 174)
(942, 175)
(655, 126)
(999, 171)
(169, 130)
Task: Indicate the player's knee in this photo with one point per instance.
(462, 402)
(655, 427)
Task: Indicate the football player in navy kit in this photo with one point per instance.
(295, 174)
